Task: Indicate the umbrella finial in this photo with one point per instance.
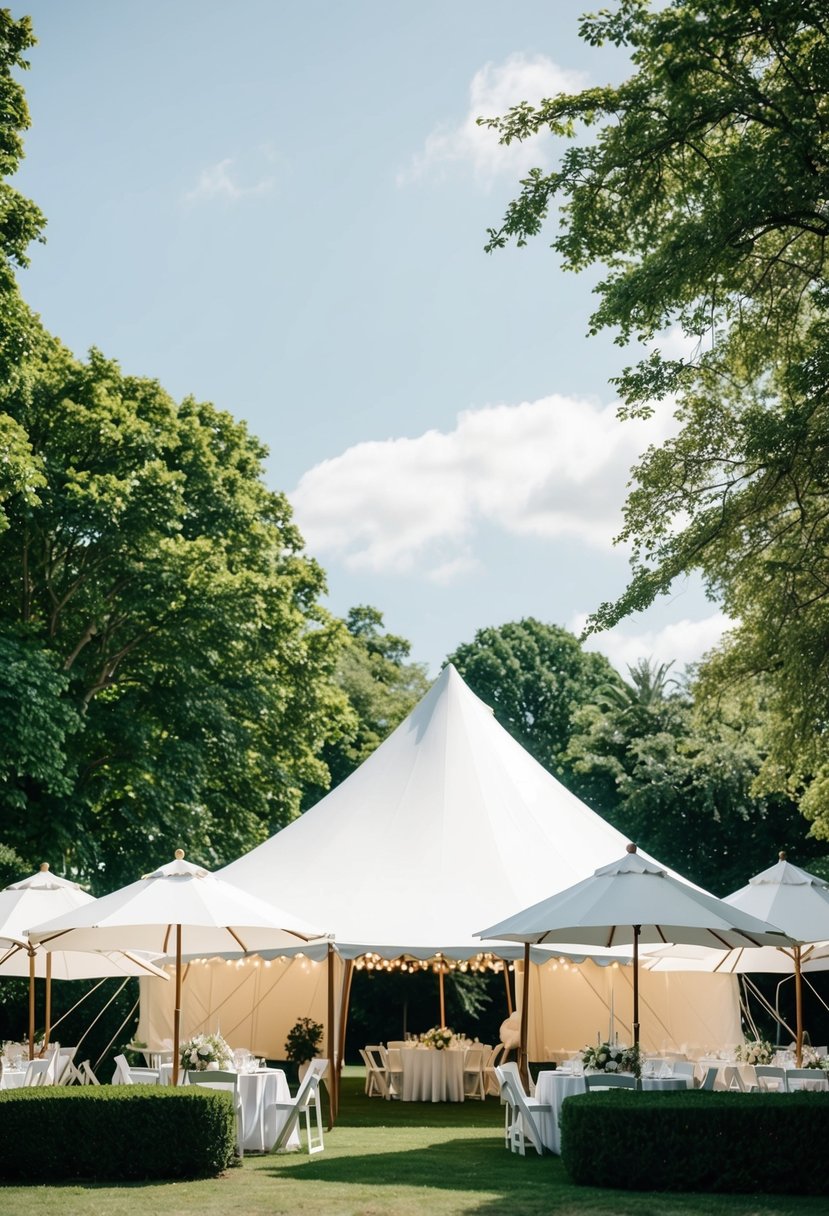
(782, 855)
(179, 854)
(44, 866)
(630, 848)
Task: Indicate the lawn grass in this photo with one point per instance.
(384, 1158)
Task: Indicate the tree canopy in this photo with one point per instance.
(534, 676)
(701, 187)
(167, 666)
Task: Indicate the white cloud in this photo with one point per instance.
(681, 642)
(551, 468)
(493, 90)
(219, 181)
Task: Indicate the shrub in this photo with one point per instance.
(694, 1141)
(115, 1133)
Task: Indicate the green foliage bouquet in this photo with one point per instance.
(612, 1057)
(755, 1051)
(203, 1050)
(438, 1037)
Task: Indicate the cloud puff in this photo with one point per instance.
(551, 468)
(681, 642)
(493, 90)
(219, 181)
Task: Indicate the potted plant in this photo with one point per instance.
(303, 1043)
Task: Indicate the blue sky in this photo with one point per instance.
(282, 208)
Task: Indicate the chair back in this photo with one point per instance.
(211, 1079)
(36, 1072)
(710, 1078)
(319, 1067)
(145, 1076)
(510, 1070)
(609, 1080)
(474, 1059)
(683, 1068)
(770, 1079)
(806, 1078)
(733, 1078)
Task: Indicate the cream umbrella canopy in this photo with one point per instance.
(37, 898)
(179, 908)
(799, 903)
(631, 902)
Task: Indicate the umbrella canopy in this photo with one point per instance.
(799, 903)
(179, 908)
(37, 898)
(633, 901)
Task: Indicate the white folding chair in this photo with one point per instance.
(710, 1078)
(684, 1068)
(64, 1067)
(770, 1079)
(306, 1098)
(36, 1073)
(85, 1073)
(393, 1064)
(377, 1084)
(608, 1080)
(226, 1082)
(733, 1079)
(520, 1116)
(474, 1085)
(122, 1075)
(805, 1078)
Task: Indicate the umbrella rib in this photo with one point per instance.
(236, 938)
(166, 939)
(610, 938)
(661, 935)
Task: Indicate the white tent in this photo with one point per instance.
(449, 825)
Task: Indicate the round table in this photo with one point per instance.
(258, 1090)
(430, 1075)
(12, 1078)
(553, 1086)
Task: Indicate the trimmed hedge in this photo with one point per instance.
(689, 1140)
(115, 1133)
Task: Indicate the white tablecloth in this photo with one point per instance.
(258, 1090)
(12, 1078)
(552, 1087)
(430, 1075)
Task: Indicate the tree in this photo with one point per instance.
(679, 783)
(381, 688)
(168, 668)
(21, 222)
(701, 185)
(534, 676)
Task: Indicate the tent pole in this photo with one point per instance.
(177, 1010)
(345, 996)
(798, 996)
(509, 990)
(523, 1051)
(333, 1095)
(442, 999)
(48, 1018)
(31, 1002)
(637, 929)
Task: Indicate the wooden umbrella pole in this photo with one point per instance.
(798, 996)
(345, 999)
(637, 929)
(47, 1029)
(31, 1002)
(509, 990)
(177, 1010)
(333, 1095)
(442, 999)
(523, 1047)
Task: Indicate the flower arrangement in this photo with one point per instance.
(438, 1037)
(755, 1051)
(612, 1057)
(303, 1040)
(811, 1059)
(204, 1050)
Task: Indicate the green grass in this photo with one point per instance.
(398, 1159)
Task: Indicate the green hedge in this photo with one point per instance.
(115, 1133)
(695, 1141)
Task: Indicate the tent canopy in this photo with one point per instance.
(449, 825)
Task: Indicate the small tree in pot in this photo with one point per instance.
(303, 1043)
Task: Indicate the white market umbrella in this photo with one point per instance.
(635, 901)
(799, 903)
(40, 897)
(179, 908)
